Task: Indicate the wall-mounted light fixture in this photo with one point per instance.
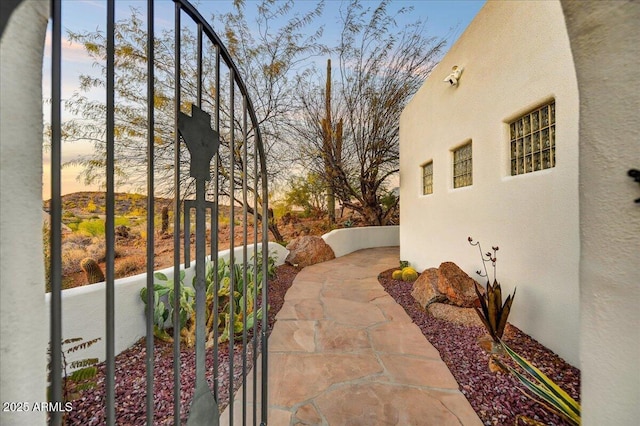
(453, 78)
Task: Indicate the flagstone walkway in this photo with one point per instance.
(343, 352)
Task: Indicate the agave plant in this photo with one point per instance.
(492, 312)
(542, 389)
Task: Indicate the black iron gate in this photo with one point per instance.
(218, 151)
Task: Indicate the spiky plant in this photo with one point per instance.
(542, 389)
(492, 312)
(83, 371)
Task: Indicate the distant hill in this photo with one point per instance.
(86, 203)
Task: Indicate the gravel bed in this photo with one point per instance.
(496, 397)
(130, 387)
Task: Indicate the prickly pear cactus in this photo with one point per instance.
(92, 270)
(409, 274)
(397, 275)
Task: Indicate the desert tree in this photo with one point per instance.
(306, 192)
(266, 60)
(271, 58)
(381, 66)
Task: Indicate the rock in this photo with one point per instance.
(425, 288)
(122, 231)
(456, 285)
(308, 250)
(495, 367)
(456, 314)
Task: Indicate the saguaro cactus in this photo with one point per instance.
(332, 147)
(165, 220)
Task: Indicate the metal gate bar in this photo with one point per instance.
(56, 212)
(246, 122)
(232, 262)
(150, 351)
(109, 228)
(176, 222)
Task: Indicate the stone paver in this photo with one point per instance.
(343, 352)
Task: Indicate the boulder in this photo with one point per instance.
(122, 231)
(425, 288)
(454, 283)
(456, 314)
(308, 250)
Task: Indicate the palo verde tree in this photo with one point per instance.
(381, 66)
(265, 61)
(307, 192)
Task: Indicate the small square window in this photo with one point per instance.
(462, 166)
(427, 178)
(533, 140)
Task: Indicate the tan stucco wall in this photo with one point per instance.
(605, 41)
(23, 326)
(516, 56)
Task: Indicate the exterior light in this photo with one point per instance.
(453, 78)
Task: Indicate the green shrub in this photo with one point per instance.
(307, 192)
(93, 227)
(91, 207)
(122, 220)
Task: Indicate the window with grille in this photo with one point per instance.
(427, 178)
(533, 140)
(462, 166)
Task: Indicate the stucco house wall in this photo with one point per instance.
(23, 330)
(605, 41)
(515, 57)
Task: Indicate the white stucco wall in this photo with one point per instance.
(23, 326)
(89, 301)
(605, 40)
(516, 56)
(347, 240)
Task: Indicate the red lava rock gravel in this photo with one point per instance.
(130, 382)
(494, 396)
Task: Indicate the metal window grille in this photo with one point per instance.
(533, 140)
(462, 166)
(427, 178)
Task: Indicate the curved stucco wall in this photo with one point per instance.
(516, 56)
(605, 40)
(83, 308)
(23, 329)
(348, 240)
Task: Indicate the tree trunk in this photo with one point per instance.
(331, 204)
(273, 227)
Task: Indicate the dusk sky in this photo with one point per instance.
(444, 19)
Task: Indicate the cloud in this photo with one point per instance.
(71, 52)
